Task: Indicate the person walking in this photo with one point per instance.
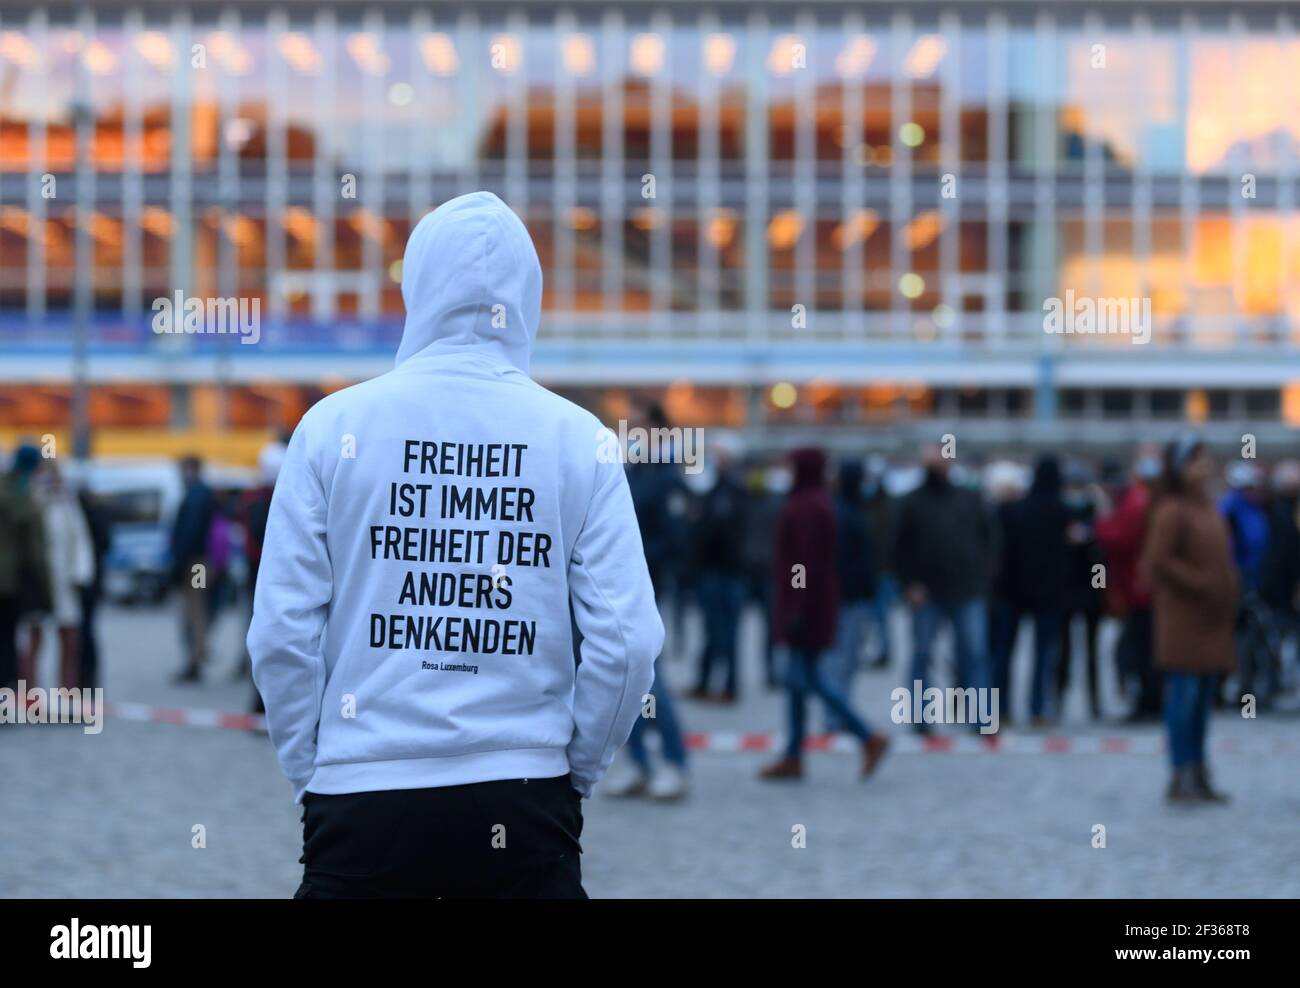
(411, 637)
(1195, 586)
(806, 602)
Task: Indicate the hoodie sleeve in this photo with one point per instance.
(294, 588)
(614, 606)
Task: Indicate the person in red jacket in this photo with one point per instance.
(805, 612)
(1121, 533)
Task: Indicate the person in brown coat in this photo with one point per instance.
(1188, 565)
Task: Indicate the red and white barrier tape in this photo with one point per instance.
(735, 742)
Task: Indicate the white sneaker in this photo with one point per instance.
(624, 779)
(668, 782)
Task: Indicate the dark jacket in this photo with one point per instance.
(659, 497)
(24, 567)
(1279, 573)
(855, 549)
(719, 537)
(1033, 562)
(805, 586)
(944, 540)
(189, 540)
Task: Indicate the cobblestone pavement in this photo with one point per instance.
(113, 814)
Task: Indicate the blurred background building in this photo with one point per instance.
(824, 216)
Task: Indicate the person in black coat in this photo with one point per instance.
(1031, 583)
(944, 544)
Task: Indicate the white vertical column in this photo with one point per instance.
(37, 214)
(132, 164)
(1047, 68)
(999, 256)
(900, 174)
(227, 281)
(1189, 189)
(661, 165)
(1094, 165)
(564, 182)
(182, 190)
(372, 178)
(277, 177)
(950, 160)
(805, 169)
(325, 189)
(1142, 196)
(612, 178)
(469, 85)
(757, 303)
(1286, 199)
(852, 186)
(1236, 166)
(419, 187)
(708, 193)
(517, 117)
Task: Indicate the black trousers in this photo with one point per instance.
(517, 838)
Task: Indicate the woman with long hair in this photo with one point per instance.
(1188, 563)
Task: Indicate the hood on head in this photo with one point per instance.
(471, 282)
(809, 468)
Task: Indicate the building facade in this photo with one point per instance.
(1041, 221)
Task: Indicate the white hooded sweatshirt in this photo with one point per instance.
(429, 531)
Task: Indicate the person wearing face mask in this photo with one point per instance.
(1188, 563)
(944, 551)
(1120, 533)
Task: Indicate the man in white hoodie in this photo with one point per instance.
(411, 637)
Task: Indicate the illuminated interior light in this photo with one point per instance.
(439, 54)
(719, 53)
(784, 229)
(579, 54)
(856, 57)
(925, 55)
(646, 54)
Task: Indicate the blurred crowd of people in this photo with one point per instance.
(55, 541)
(1201, 572)
(1196, 566)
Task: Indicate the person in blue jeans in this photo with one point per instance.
(806, 602)
(856, 562)
(943, 555)
(658, 496)
(969, 621)
(1188, 564)
(718, 558)
(1188, 701)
